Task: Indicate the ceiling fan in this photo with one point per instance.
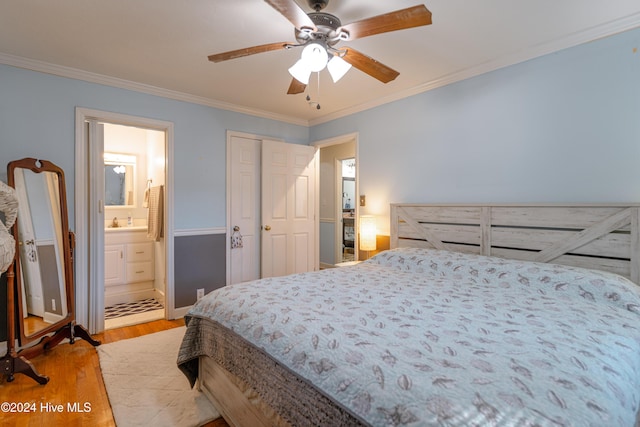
(319, 32)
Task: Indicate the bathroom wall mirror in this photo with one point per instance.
(44, 283)
(119, 179)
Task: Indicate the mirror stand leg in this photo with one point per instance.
(19, 365)
(71, 331)
(80, 332)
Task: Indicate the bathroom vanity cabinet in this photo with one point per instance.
(129, 265)
(114, 264)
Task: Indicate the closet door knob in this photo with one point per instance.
(267, 227)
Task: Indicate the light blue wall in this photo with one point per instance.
(37, 119)
(560, 128)
(327, 241)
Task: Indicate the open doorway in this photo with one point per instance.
(338, 197)
(346, 200)
(134, 176)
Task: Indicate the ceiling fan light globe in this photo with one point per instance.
(300, 71)
(316, 56)
(338, 67)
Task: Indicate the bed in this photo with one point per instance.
(478, 315)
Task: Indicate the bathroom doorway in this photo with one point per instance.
(123, 171)
(134, 176)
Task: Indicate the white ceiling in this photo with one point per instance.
(161, 46)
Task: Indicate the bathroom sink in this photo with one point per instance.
(125, 228)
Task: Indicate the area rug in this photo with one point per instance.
(145, 386)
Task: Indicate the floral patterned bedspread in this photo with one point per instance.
(423, 337)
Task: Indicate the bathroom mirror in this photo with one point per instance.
(119, 179)
(44, 284)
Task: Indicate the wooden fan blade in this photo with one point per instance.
(370, 66)
(415, 16)
(290, 10)
(296, 87)
(225, 56)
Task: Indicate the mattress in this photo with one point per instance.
(429, 337)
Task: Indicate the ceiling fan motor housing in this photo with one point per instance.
(325, 20)
(326, 24)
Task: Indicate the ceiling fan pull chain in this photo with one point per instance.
(311, 102)
(318, 103)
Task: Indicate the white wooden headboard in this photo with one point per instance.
(603, 237)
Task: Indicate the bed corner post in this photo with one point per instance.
(393, 243)
(485, 231)
(634, 256)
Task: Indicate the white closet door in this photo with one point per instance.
(244, 208)
(288, 208)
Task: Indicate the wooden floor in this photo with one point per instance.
(74, 372)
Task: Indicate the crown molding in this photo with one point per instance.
(74, 73)
(614, 27)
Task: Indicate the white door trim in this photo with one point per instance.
(83, 287)
(339, 230)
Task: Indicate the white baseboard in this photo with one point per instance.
(324, 265)
(180, 312)
(51, 317)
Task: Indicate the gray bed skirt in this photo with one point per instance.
(293, 398)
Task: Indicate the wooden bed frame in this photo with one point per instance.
(238, 408)
(602, 237)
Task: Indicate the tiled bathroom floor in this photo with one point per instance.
(129, 308)
(134, 319)
(133, 313)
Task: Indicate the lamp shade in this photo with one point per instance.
(300, 71)
(338, 67)
(367, 233)
(315, 56)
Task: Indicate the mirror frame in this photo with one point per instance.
(68, 240)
